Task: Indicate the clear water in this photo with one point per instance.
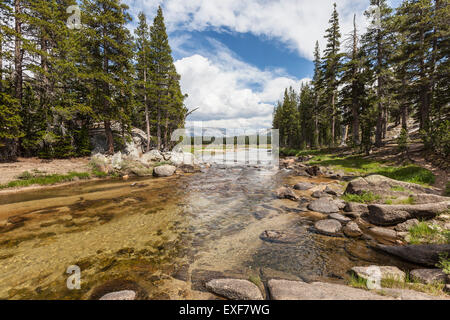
(165, 236)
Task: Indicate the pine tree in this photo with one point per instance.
(353, 85)
(143, 55)
(331, 66)
(55, 49)
(162, 75)
(377, 43)
(317, 85)
(306, 107)
(424, 26)
(10, 120)
(175, 110)
(108, 62)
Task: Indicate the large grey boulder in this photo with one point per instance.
(235, 289)
(298, 290)
(428, 276)
(152, 156)
(383, 272)
(328, 226)
(426, 255)
(387, 215)
(180, 158)
(381, 185)
(164, 171)
(323, 206)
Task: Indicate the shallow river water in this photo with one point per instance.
(163, 237)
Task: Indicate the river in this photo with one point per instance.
(165, 236)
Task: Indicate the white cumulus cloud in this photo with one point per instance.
(296, 23)
(229, 92)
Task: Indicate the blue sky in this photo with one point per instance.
(235, 57)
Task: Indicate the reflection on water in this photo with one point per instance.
(245, 156)
(164, 235)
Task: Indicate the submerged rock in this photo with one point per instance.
(352, 230)
(339, 217)
(235, 289)
(303, 186)
(278, 237)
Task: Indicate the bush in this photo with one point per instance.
(402, 141)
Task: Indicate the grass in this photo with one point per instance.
(357, 282)
(27, 179)
(366, 197)
(409, 200)
(426, 233)
(255, 280)
(436, 289)
(398, 188)
(288, 152)
(444, 263)
(362, 166)
(447, 189)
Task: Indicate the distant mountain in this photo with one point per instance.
(224, 132)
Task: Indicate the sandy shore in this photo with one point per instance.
(11, 170)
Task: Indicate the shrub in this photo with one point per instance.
(402, 140)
